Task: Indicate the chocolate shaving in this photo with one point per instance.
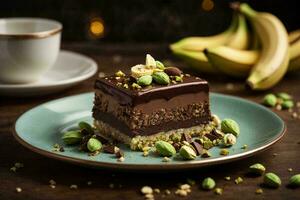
(119, 154)
(109, 149)
(211, 137)
(215, 133)
(198, 147)
(176, 146)
(186, 137)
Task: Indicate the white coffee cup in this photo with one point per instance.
(28, 48)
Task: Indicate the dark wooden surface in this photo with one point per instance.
(38, 170)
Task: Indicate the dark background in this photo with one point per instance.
(141, 20)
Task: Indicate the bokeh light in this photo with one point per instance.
(207, 5)
(96, 27)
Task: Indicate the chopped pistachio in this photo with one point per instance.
(290, 169)
(136, 86)
(125, 85)
(245, 146)
(238, 180)
(227, 178)
(224, 152)
(219, 191)
(18, 189)
(178, 78)
(120, 73)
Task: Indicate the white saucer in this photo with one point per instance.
(70, 69)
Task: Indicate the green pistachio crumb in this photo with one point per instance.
(287, 104)
(227, 178)
(272, 180)
(270, 100)
(245, 146)
(284, 96)
(160, 65)
(178, 78)
(165, 148)
(125, 85)
(224, 152)
(84, 125)
(93, 145)
(257, 168)
(208, 183)
(238, 180)
(230, 126)
(295, 181)
(219, 191)
(120, 73)
(136, 86)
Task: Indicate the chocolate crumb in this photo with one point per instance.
(119, 154)
(186, 137)
(198, 147)
(109, 149)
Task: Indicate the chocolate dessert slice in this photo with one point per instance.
(139, 114)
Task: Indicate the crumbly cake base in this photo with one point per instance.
(139, 142)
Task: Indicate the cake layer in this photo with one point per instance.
(107, 130)
(131, 96)
(151, 129)
(151, 109)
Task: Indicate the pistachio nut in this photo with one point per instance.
(138, 71)
(257, 168)
(160, 65)
(284, 96)
(208, 183)
(230, 126)
(272, 180)
(72, 137)
(229, 139)
(83, 125)
(187, 153)
(287, 104)
(150, 61)
(178, 78)
(165, 148)
(135, 86)
(270, 100)
(173, 71)
(94, 145)
(144, 80)
(161, 78)
(120, 73)
(295, 181)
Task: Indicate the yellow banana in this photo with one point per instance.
(195, 59)
(240, 39)
(295, 54)
(294, 35)
(232, 62)
(273, 61)
(200, 43)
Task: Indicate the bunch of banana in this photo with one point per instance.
(263, 56)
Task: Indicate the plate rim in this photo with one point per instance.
(156, 167)
(93, 66)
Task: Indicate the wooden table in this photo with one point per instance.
(38, 170)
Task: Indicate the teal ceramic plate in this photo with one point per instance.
(41, 127)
